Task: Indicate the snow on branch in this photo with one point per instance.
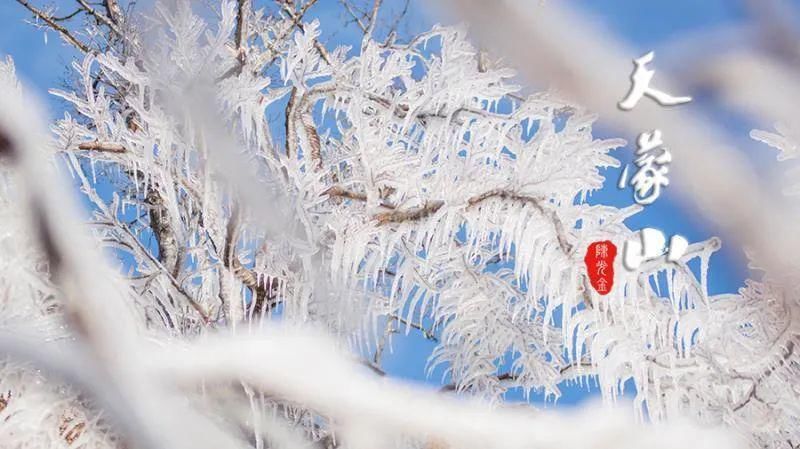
(414, 186)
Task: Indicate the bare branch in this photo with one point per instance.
(161, 224)
(55, 26)
(114, 11)
(560, 231)
(373, 21)
(310, 129)
(262, 291)
(432, 207)
(296, 19)
(417, 213)
(353, 14)
(104, 147)
(396, 23)
(242, 30)
(68, 16)
(291, 133)
(429, 335)
(500, 378)
(100, 17)
(344, 193)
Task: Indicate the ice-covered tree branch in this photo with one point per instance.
(415, 188)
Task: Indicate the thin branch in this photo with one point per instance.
(114, 11)
(373, 21)
(432, 207)
(567, 371)
(242, 7)
(291, 133)
(262, 292)
(102, 147)
(339, 191)
(162, 269)
(353, 14)
(396, 23)
(413, 214)
(425, 332)
(301, 107)
(115, 148)
(100, 17)
(52, 24)
(161, 224)
(751, 394)
(296, 19)
(500, 378)
(242, 33)
(312, 136)
(373, 366)
(68, 16)
(564, 371)
(561, 233)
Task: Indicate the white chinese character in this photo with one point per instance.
(623, 178)
(652, 173)
(677, 248)
(601, 266)
(640, 86)
(650, 177)
(602, 285)
(651, 245)
(648, 141)
(601, 251)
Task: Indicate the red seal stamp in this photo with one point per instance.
(599, 262)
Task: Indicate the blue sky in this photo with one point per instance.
(645, 25)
